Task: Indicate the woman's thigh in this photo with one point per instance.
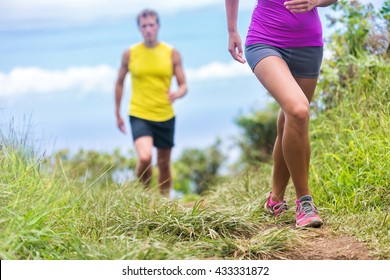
(276, 77)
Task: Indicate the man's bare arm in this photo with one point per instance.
(123, 69)
(180, 77)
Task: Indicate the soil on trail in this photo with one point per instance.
(324, 245)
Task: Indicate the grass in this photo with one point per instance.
(350, 171)
(47, 214)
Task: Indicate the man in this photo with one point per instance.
(152, 65)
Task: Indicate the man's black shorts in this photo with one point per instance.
(161, 132)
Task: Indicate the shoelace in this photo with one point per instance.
(277, 207)
(308, 207)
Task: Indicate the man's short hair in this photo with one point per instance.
(146, 13)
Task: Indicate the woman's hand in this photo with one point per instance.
(235, 47)
(300, 6)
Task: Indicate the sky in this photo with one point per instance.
(59, 61)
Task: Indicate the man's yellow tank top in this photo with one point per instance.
(151, 74)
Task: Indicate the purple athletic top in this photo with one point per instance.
(274, 25)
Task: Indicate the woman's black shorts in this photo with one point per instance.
(303, 62)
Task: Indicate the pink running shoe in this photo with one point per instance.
(275, 208)
(307, 213)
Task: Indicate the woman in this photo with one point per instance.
(284, 48)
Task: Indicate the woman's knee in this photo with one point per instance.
(280, 123)
(299, 113)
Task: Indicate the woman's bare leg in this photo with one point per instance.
(281, 174)
(293, 139)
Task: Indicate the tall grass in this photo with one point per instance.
(46, 213)
(350, 171)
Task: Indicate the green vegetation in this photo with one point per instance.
(71, 207)
(196, 170)
(48, 215)
(258, 135)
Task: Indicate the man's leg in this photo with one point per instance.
(164, 170)
(144, 149)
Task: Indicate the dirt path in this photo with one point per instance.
(322, 244)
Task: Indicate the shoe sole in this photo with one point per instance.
(313, 224)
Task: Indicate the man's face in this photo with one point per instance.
(149, 28)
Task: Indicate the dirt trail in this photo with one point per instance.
(322, 244)
(325, 244)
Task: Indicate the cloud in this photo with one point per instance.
(50, 13)
(218, 70)
(38, 13)
(32, 80)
